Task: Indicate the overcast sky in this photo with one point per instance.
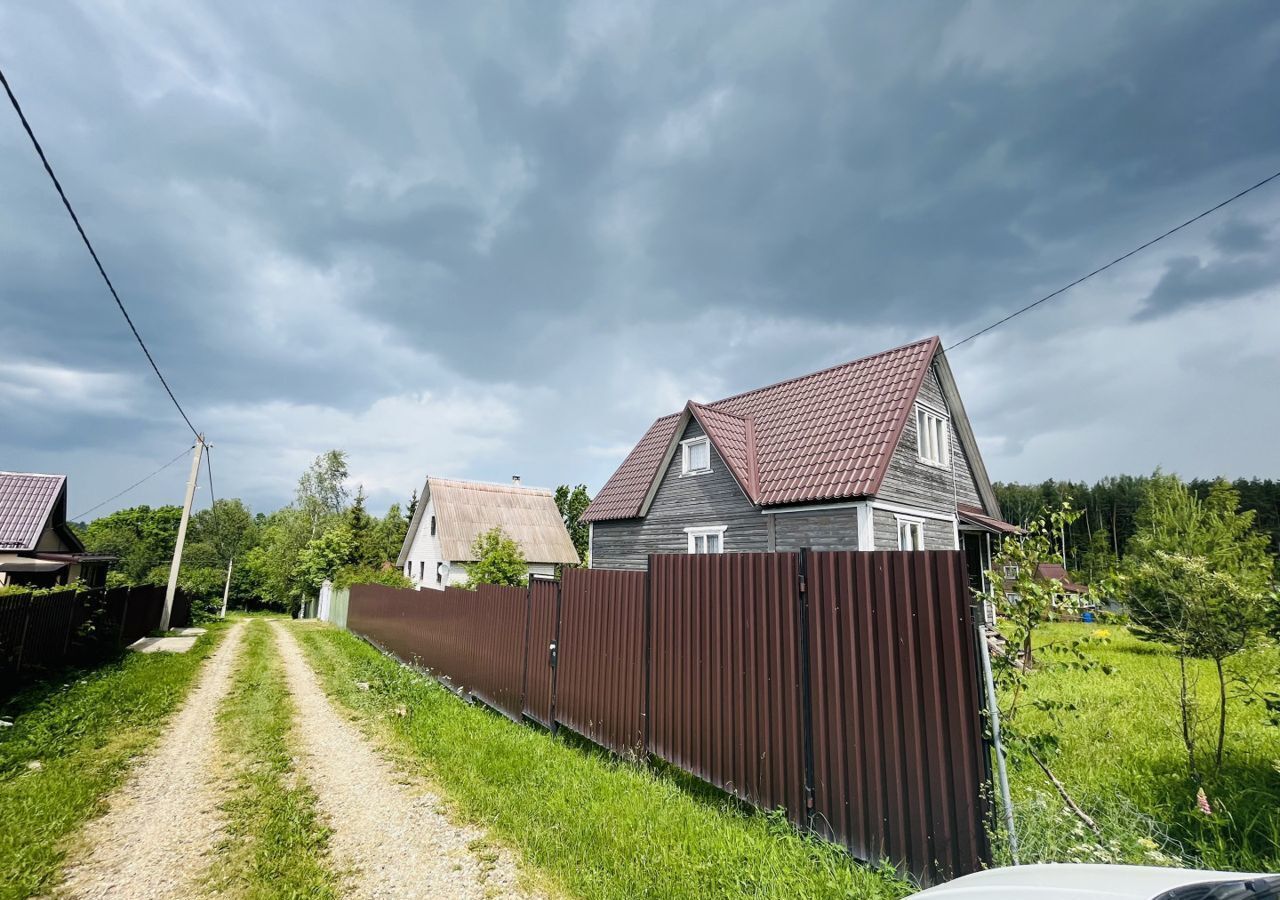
(486, 239)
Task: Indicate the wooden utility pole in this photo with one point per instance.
(182, 535)
(226, 591)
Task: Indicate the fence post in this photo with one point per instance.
(524, 660)
(554, 659)
(71, 620)
(22, 647)
(124, 617)
(646, 659)
(806, 689)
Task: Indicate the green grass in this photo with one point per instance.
(71, 742)
(1121, 757)
(600, 827)
(276, 845)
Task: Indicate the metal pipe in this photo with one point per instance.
(994, 711)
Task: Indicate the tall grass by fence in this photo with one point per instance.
(840, 686)
(41, 633)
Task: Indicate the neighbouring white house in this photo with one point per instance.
(452, 514)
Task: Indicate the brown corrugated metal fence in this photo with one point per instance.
(40, 633)
(725, 681)
(898, 751)
(600, 677)
(539, 662)
(840, 686)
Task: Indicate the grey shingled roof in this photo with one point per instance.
(26, 499)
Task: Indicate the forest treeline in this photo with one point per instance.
(1111, 504)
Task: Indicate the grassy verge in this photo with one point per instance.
(276, 845)
(70, 744)
(1121, 757)
(600, 827)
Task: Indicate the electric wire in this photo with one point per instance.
(77, 518)
(1118, 259)
(93, 253)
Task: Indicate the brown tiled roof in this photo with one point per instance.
(735, 440)
(825, 436)
(1058, 572)
(26, 500)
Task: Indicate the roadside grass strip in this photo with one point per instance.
(71, 743)
(276, 844)
(599, 826)
(1121, 756)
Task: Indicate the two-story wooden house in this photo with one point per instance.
(874, 454)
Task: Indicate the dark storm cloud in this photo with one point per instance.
(544, 225)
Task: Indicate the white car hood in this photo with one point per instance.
(1063, 881)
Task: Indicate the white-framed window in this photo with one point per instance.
(695, 456)
(706, 539)
(932, 434)
(910, 533)
(1013, 599)
(1010, 571)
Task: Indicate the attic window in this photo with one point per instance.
(932, 431)
(696, 456)
(433, 524)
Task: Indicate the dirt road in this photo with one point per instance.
(159, 830)
(389, 832)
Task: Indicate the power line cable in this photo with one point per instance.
(84, 237)
(1118, 259)
(77, 518)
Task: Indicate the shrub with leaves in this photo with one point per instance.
(498, 560)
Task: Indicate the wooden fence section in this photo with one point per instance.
(43, 632)
(840, 686)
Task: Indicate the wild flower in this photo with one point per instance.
(1102, 633)
(1202, 803)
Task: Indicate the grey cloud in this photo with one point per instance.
(1188, 282)
(321, 204)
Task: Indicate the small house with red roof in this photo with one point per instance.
(37, 547)
(873, 454)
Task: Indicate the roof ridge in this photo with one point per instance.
(492, 484)
(823, 371)
(34, 474)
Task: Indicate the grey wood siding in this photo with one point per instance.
(682, 502)
(823, 529)
(938, 535)
(914, 483)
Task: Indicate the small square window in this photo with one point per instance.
(932, 431)
(910, 534)
(706, 540)
(1010, 571)
(696, 456)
